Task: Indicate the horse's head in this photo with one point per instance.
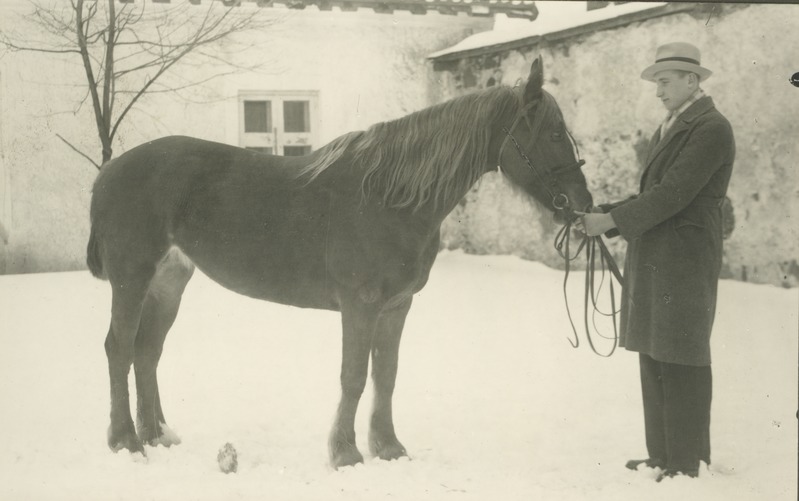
(538, 153)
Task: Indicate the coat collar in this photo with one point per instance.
(683, 123)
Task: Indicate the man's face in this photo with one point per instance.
(674, 87)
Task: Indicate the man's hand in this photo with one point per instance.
(594, 224)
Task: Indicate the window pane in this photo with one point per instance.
(296, 151)
(296, 116)
(257, 116)
(261, 149)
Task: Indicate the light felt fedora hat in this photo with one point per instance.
(677, 56)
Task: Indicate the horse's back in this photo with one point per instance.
(244, 218)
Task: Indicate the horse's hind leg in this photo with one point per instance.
(383, 441)
(158, 314)
(128, 292)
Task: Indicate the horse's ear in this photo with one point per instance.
(535, 81)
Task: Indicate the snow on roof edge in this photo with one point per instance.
(553, 17)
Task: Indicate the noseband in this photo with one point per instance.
(559, 199)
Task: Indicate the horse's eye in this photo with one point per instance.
(557, 136)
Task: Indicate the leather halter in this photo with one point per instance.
(559, 199)
(606, 262)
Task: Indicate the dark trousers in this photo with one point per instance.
(677, 412)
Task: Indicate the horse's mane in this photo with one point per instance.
(433, 154)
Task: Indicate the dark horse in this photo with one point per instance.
(352, 227)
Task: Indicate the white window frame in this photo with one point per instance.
(278, 138)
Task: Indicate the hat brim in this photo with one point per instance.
(649, 73)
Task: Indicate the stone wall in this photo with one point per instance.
(594, 75)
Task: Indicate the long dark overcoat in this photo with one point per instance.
(674, 233)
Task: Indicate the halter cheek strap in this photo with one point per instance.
(559, 199)
(521, 115)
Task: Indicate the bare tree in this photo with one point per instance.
(127, 48)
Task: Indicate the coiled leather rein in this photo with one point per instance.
(595, 250)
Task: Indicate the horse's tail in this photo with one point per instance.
(93, 259)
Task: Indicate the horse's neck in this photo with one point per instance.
(436, 214)
(441, 213)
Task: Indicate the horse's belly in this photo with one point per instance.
(287, 274)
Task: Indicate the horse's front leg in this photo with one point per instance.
(358, 326)
(383, 441)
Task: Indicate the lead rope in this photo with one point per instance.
(606, 262)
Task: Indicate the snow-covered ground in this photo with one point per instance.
(492, 401)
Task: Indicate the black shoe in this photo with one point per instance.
(633, 464)
(671, 473)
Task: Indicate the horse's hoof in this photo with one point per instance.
(386, 449)
(164, 436)
(126, 440)
(344, 454)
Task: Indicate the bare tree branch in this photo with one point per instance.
(84, 155)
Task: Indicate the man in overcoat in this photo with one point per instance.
(674, 232)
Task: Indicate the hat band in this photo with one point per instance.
(681, 59)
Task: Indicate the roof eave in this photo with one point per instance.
(555, 36)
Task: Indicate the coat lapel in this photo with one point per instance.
(682, 124)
